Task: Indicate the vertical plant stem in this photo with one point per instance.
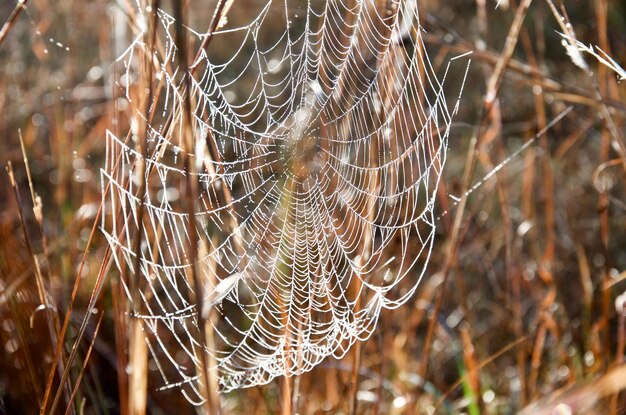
(192, 192)
(138, 361)
(138, 353)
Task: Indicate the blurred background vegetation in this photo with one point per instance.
(520, 306)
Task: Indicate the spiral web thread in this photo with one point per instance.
(321, 133)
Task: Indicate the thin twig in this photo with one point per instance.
(21, 4)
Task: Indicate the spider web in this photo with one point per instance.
(321, 133)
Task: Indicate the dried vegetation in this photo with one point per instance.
(523, 307)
